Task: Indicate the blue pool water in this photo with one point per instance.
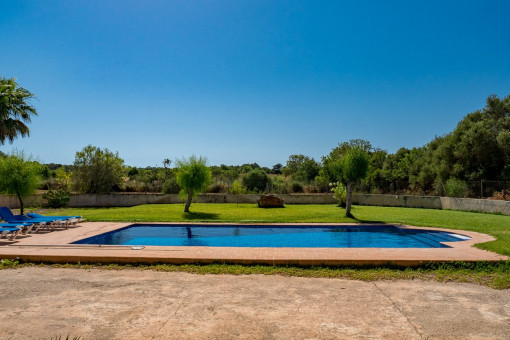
(375, 236)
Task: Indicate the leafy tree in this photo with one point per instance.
(277, 169)
(97, 171)
(350, 168)
(256, 180)
(237, 188)
(193, 176)
(132, 172)
(15, 110)
(19, 176)
(354, 168)
(166, 166)
(329, 171)
(301, 168)
(63, 178)
(170, 186)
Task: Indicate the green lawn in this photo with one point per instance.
(495, 225)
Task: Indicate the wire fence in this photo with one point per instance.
(486, 188)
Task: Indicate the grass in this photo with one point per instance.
(492, 224)
(493, 274)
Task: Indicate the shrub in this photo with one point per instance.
(456, 188)
(170, 186)
(57, 198)
(237, 188)
(296, 187)
(218, 187)
(279, 185)
(256, 180)
(339, 193)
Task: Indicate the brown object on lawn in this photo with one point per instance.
(270, 201)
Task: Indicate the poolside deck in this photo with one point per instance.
(55, 247)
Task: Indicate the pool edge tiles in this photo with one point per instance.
(57, 247)
(275, 236)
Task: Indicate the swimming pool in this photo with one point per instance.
(275, 236)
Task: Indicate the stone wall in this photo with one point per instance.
(132, 199)
(407, 201)
(469, 204)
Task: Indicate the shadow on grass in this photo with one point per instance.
(368, 221)
(200, 216)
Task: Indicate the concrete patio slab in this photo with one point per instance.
(45, 303)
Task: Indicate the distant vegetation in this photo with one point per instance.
(471, 161)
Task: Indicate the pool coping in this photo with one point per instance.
(55, 247)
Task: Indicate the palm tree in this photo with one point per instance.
(15, 110)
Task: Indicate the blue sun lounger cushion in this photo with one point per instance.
(34, 215)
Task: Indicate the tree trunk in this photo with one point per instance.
(20, 203)
(188, 202)
(348, 200)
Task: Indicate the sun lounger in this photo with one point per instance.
(72, 220)
(8, 231)
(7, 215)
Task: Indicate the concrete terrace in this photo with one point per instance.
(55, 247)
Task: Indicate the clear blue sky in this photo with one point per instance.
(249, 81)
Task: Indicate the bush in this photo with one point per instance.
(279, 185)
(256, 180)
(339, 193)
(237, 188)
(296, 187)
(57, 198)
(170, 186)
(218, 187)
(456, 188)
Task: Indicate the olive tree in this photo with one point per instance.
(15, 110)
(354, 167)
(97, 171)
(193, 177)
(349, 168)
(19, 176)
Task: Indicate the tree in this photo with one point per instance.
(301, 168)
(237, 188)
(327, 173)
(97, 171)
(193, 177)
(166, 166)
(256, 180)
(277, 169)
(350, 169)
(19, 176)
(15, 110)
